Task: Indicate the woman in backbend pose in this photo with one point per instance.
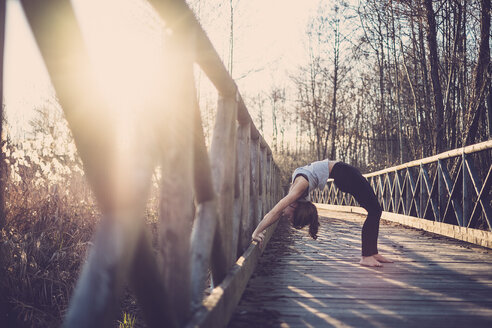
(302, 212)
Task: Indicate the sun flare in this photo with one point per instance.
(124, 41)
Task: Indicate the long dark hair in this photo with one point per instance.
(304, 214)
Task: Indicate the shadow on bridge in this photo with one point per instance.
(299, 282)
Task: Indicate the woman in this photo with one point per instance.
(298, 208)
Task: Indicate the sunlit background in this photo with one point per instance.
(312, 75)
(124, 40)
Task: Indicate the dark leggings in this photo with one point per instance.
(349, 179)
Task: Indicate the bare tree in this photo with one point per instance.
(279, 116)
(482, 73)
(371, 16)
(2, 155)
(434, 73)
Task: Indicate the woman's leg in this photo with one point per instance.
(349, 179)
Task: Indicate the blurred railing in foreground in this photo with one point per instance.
(452, 187)
(210, 201)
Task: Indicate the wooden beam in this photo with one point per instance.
(244, 169)
(177, 15)
(254, 210)
(202, 240)
(148, 285)
(120, 193)
(177, 153)
(62, 48)
(223, 157)
(206, 215)
(217, 308)
(238, 204)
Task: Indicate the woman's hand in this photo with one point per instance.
(258, 237)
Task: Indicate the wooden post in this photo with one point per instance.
(176, 197)
(223, 156)
(255, 214)
(244, 169)
(60, 42)
(236, 217)
(206, 214)
(263, 178)
(269, 182)
(202, 241)
(148, 285)
(119, 192)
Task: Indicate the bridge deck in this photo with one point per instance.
(435, 281)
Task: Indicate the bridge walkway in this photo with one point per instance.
(435, 281)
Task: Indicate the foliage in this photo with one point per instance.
(128, 321)
(51, 216)
(366, 94)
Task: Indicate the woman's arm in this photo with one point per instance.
(298, 188)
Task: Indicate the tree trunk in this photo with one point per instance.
(3, 175)
(335, 89)
(481, 81)
(489, 110)
(426, 124)
(436, 83)
(231, 39)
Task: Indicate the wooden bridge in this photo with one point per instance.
(211, 200)
(435, 281)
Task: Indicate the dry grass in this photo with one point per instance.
(44, 244)
(43, 247)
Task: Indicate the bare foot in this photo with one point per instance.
(382, 259)
(370, 261)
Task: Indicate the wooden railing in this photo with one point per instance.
(210, 201)
(452, 187)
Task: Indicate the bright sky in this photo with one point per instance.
(118, 35)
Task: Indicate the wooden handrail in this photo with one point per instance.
(232, 185)
(178, 16)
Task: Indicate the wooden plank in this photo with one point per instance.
(217, 308)
(244, 168)
(355, 319)
(223, 160)
(474, 236)
(111, 171)
(205, 223)
(305, 283)
(176, 210)
(254, 209)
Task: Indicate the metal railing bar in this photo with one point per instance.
(449, 154)
(430, 200)
(484, 190)
(413, 190)
(451, 190)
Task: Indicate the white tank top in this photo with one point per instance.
(316, 173)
